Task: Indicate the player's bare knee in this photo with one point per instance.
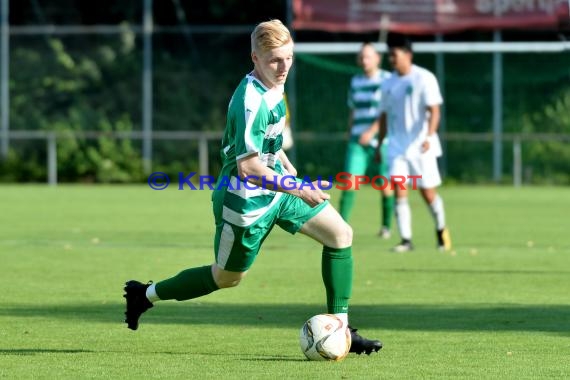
(228, 283)
(227, 279)
(349, 234)
(343, 238)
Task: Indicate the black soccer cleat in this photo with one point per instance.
(137, 303)
(361, 345)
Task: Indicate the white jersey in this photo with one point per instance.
(405, 99)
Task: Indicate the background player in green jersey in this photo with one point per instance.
(245, 214)
(364, 101)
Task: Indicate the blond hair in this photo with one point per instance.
(269, 35)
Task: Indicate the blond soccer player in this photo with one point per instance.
(245, 214)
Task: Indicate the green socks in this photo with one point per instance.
(337, 276)
(346, 203)
(188, 284)
(388, 210)
(336, 271)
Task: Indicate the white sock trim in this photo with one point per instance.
(151, 293)
(404, 218)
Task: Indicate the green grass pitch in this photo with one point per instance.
(498, 306)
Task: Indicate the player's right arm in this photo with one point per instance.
(251, 168)
(433, 124)
(432, 98)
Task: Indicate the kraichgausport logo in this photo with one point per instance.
(341, 181)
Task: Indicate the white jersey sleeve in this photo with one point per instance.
(431, 93)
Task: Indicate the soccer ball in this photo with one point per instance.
(325, 337)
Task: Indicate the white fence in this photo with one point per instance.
(203, 138)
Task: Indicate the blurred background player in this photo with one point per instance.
(410, 116)
(364, 100)
(246, 214)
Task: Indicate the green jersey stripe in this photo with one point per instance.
(240, 219)
(365, 100)
(367, 104)
(254, 124)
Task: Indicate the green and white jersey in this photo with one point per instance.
(255, 121)
(364, 100)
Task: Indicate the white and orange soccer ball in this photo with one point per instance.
(325, 337)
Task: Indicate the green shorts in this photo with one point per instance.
(236, 248)
(360, 159)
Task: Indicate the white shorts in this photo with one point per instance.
(424, 165)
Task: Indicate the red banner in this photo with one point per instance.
(428, 16)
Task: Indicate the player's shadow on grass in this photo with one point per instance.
(241, 357)
(273, 359)
(468, 317)
(36, 351)
(481, 271)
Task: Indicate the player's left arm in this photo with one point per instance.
(382, 132)
(287, 164)
(433, 120)
(433, 125)
(382, 126)
(433, 101)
